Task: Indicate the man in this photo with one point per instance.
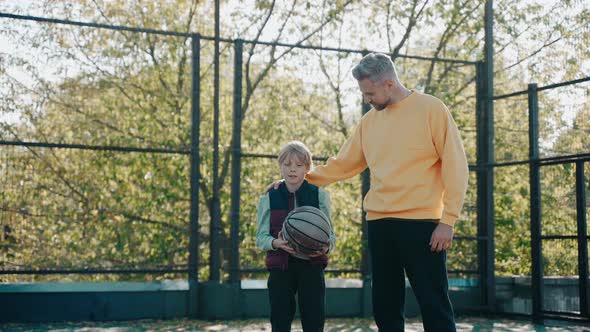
(419, 176)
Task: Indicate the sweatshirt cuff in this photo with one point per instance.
(448, 220)
(271, 248)
(266, 244)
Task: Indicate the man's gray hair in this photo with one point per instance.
(376, 67)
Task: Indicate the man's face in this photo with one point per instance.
(377, 94)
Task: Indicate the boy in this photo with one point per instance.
(291, 273)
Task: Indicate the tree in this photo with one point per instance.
(100, 87)
(117, 98)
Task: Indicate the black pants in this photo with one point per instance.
(398, 245)
(307, 281)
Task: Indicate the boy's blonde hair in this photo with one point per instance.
(297, 149)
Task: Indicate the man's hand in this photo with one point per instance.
(441, 238)
(281, 243)
(274, 185)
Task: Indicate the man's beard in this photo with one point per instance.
(379, 107)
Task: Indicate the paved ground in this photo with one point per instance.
(332, 325)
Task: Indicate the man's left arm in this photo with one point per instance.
(454, 171)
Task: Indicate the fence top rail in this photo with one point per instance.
(93, 147)
(546, 87)
(548, 161)
(227, 40)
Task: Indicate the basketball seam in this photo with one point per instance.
(305, 221)
(285, 231)
(302, 246)
(322, 215)
(310, 237)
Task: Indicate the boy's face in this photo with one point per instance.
(293, 170)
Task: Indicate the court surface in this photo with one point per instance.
(332, 325)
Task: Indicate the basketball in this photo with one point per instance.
(307, 229)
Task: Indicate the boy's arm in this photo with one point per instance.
(349, 162)
(324, 198)
(263, 237)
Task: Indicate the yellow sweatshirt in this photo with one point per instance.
(416, 158)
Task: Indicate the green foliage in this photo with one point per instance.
(75, 208)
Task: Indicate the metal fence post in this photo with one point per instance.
(193, 260)
(215, 226)
(485, 167)
(582, 238)
(236, 164)
(485, 187)
(535, 204)
(234, 273)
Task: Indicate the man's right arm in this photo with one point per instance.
(349, 162)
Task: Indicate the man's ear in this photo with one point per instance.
(389, 83)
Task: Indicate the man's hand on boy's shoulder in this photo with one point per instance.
(275, 185)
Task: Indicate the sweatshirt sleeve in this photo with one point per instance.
(349, 162)
(263, 237)
(324, 198)
(455, 171)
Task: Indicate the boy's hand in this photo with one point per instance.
(274, 185)
(281, 243)
(320, 252)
